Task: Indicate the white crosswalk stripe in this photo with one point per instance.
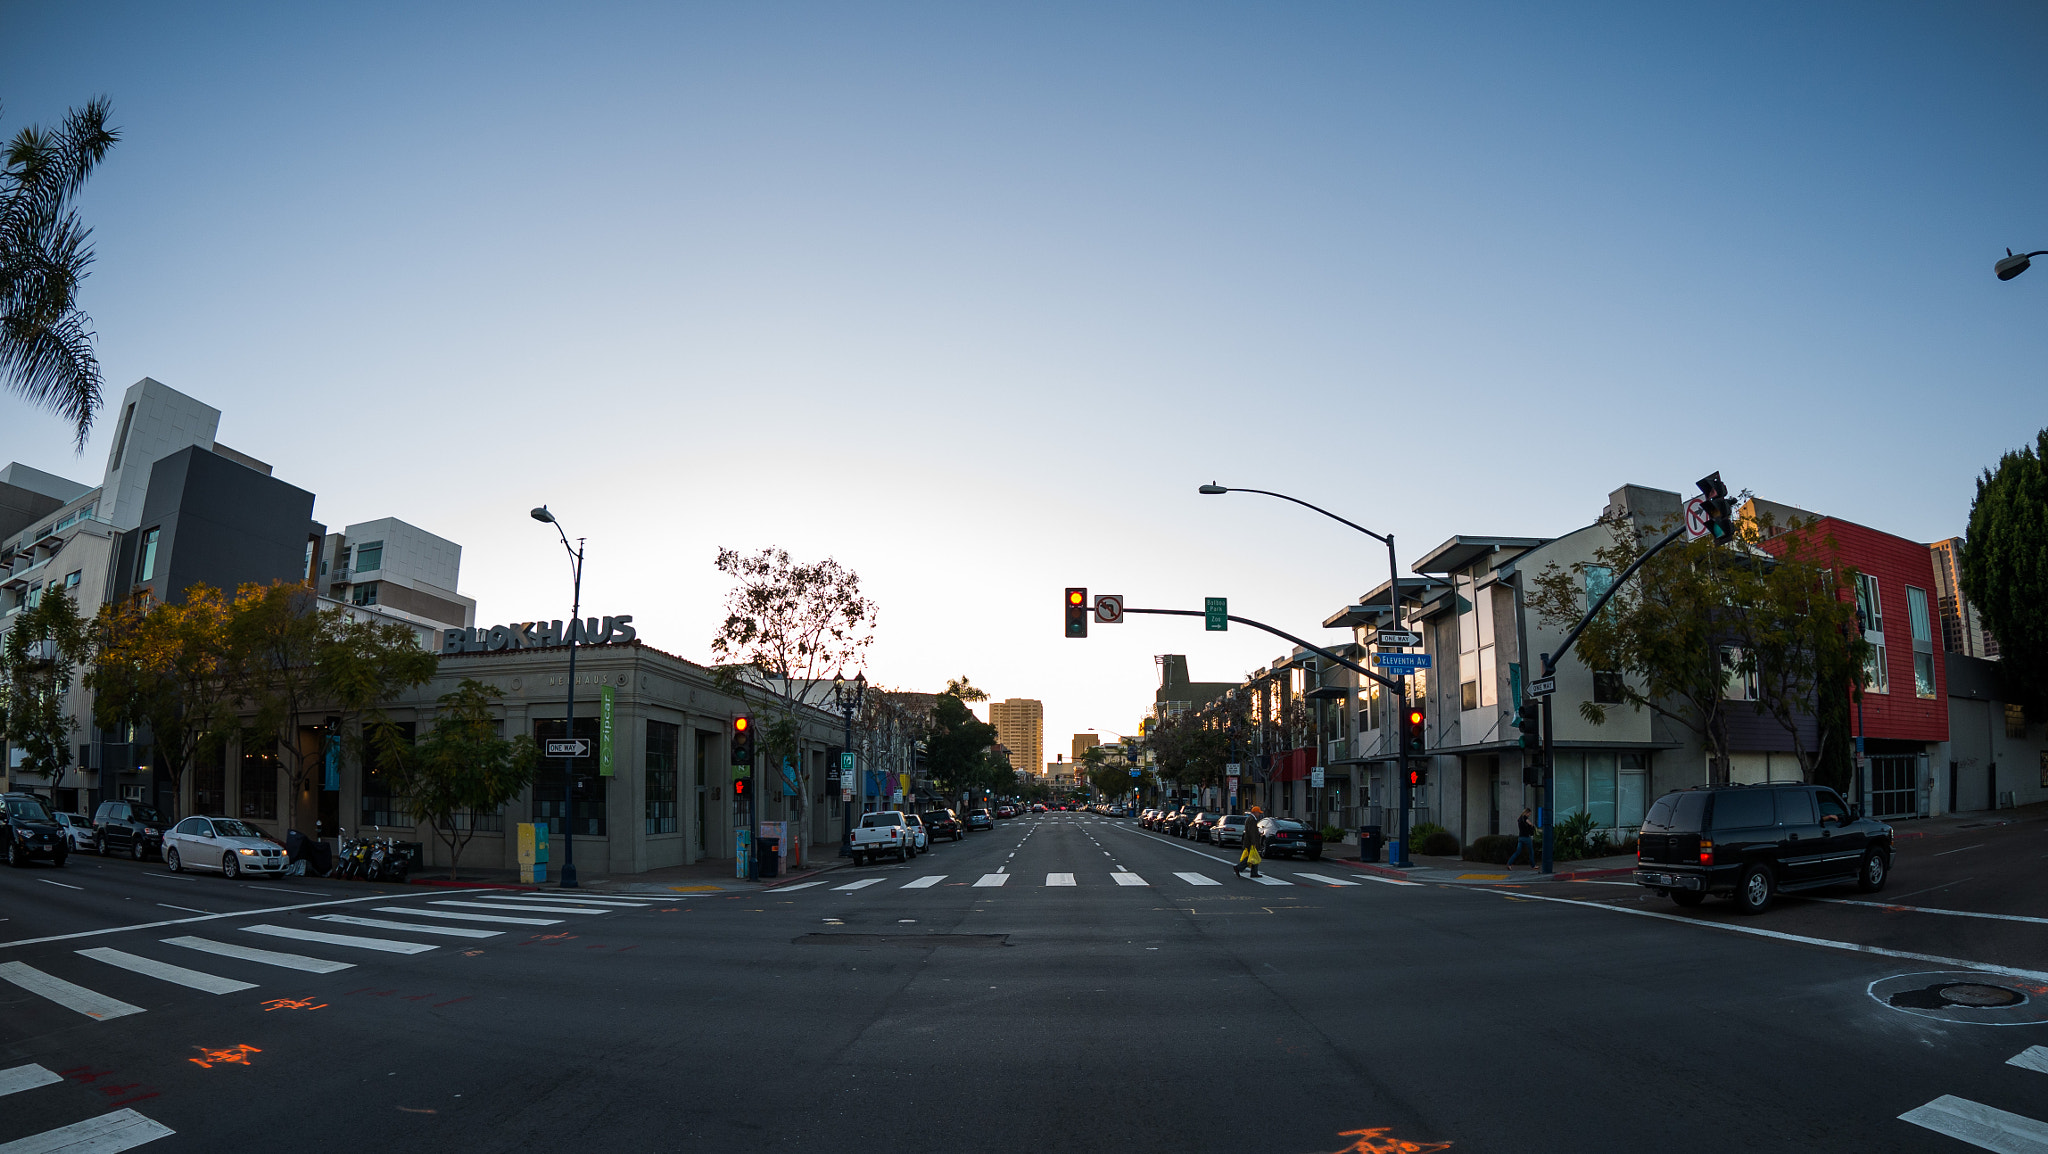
(859, 885)
(563, 899)
(527, 909)
(164, 971)
(926, 883)
(72, 997)
(1268, 880)
(796, 887)
(451, 915)
(19, 1078)
(993, 880)
(1059, 879)
(1198, 879)
(383, 924)
(382, 945)
(299, 962)
(1985, 1127)
(1326, 881)
(1128, 879)
(2031, 1058)
(106, 1134)
(1386, 881)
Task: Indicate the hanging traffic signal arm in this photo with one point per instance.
(1355, 667)
(1550, 660)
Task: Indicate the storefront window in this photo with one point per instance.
(587, 815)
(383, 804)
(259, 776)
(664, 748)
(210, 783)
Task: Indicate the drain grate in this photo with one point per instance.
(925, 941)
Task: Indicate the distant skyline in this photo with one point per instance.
(864, 281)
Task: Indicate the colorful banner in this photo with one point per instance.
(604, 731)
(331, 781)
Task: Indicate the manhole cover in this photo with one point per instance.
(1966, 996)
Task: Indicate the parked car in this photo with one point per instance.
(28, 831)
(1146, 816)
(1176, 822)
(944, 823)
(1754, 842)
(880, 833)
(979, 819)
(228, 845)
(1006, 810)
(1037, 807)
(131, 827)
(79, 831)
(920, 837)
(1199, 825)
(1280, 837)
(1229, 829)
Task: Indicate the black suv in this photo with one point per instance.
(1756, 841)
(131, 827)
(27, 831)
(944, 823)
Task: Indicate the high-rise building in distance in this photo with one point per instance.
(1084, 741)
(1962, 631)
(1020, 727)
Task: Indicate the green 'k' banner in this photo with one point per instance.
(604, 731)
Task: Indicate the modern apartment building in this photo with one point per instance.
(1961, 629)
(1084, 741)
(1020, 728)
(399, 569)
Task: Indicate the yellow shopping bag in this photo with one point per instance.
(1250, 856)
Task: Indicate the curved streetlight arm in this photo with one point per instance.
(1384, 540)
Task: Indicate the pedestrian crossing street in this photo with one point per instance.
(399, 930)
(1988, 1127)
(1119, 879)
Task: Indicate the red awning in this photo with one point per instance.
(1292, 765)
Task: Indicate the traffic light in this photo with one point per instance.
(1714, 497)
(1077, 612)
(1416, 776)
(742, 741)
(739, 788)
(1411, 731)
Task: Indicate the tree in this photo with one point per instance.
(465, 766)
(789, 630)
(167, 669)
(46, 352)
(956, 745)
(42, 651)
(2005, 566)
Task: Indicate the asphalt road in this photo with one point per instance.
(974, 1000)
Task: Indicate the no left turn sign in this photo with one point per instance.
(1109, 609)
(1695, 519)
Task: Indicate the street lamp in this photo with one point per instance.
(575, 628)
(849, 702)
(1393, 614)
(2013, 263)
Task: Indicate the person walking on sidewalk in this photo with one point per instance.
(1525, 840)
(1249, 855)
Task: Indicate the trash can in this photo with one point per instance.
(768, 861)
(1369, 843)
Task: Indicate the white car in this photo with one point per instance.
(920, 837)
(232, 846)
(79, 831)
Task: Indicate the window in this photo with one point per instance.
(1923, 642)
(1608, 688)
(1744, 809)
(1633, 773)
(366, 594)
(210, 782)
(664, 752)
(588, 813)
(35, 596)
(1874, 677)
(1599, 579)
(1869, 608)
(1600, 786)
(369, 556)
(382, 802)
(259, 776)
(145, 570)
(2016, 724)
(71, 579)
(1738, 684)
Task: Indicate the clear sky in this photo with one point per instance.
(971, 297)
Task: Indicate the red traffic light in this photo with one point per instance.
(1414, 777)
(739, 787)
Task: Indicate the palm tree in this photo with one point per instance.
(45, 341)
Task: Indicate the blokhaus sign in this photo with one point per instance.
(538, 635)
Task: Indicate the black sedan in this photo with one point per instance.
(1200, 825)
(944, 823)
(1282, 838)
(28, 831)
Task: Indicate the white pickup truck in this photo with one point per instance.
(880, 833)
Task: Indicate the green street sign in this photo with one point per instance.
(1216, 614)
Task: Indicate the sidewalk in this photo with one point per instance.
(1453, 871)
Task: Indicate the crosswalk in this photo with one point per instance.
(394, 932)
(108, 1133)
(1120, 879)
(1988, 1127)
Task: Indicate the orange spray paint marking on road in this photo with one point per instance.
(236, 1056)
(1377, 1141)
(292, 1004)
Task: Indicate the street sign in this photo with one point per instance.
(1231, 770)
(1397, 637)
(846, 761)
(1216, 614)
(1109, 609)
(1315, 777)
(846, 780)
(1403, 662)
(568, 747)
(1542, 687)
(1135, 771)
(1695, 519)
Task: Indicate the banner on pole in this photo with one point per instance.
(604, 731)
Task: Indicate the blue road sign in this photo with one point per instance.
(1408, 662)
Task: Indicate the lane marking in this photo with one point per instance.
(1933, 910)
(451, 915)
(1198, 879)
(66, 885)
(164, 971)
(992, 879)
(1984, 1127)
(796, 887)
(925, 883)
(106, 1134)
(187, 909)
(2032, 1058)
(1264, 880)
(1059, 879)
(1799, 939)
(521, 909)
(382, 924)
(861, 884)
(298, 962)
(27, 1077)
(92, 1005)
(381, 945)
(1946, 852)
(1128, 879)
(1326, 881)
(616, 903)
(1391, 881)
(207, 917)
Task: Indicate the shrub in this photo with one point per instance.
(1574, 838)
(1442, 843)
(1332, 834)
(1419, 833)
(1493, 847)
